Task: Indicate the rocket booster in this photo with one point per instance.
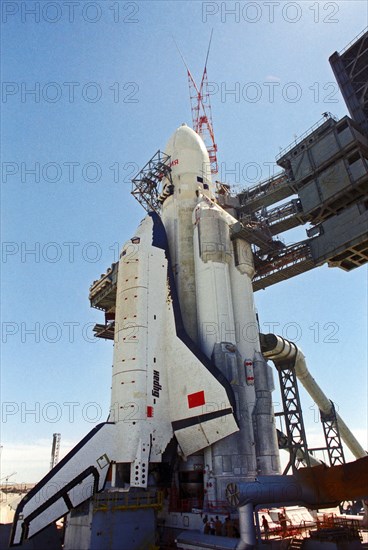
(191, 176)
(213, 275)
(187, 367)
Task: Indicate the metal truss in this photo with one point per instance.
(332, 437)
(295, 432)
(147, 183)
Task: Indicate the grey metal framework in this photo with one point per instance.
(326, 170)
(285, 216)
(256, 233)
(326, 117)
(295, 439)
(265, 193)
(287, 262)
(332, 437)
(295, 431)
(351, 72)
(147, 183)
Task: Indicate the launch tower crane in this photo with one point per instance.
(201, 110)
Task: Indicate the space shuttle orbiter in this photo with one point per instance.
(187, 365)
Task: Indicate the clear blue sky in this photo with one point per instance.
(110, 88)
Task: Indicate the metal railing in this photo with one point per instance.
(354, 40)
(287, 210)
(263, 186)
(114, 501)
(299, 139)
(287, 257)
(335, 528)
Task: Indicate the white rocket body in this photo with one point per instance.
(190, 173)
(187, 365)
(213, 276)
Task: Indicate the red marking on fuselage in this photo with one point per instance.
(196, 399)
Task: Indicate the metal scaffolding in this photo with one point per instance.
(147, 184)
(332, 437)
(350, 67)
(296, 442)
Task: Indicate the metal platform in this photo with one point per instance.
(102, 292)
(343, 239)
(328, 168)
(255, 233)
(105, 331)
(265, 193)
(290, 261)
(285, 217)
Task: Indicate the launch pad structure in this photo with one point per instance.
(164, 502)
(325, 171)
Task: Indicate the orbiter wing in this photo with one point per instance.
(75, 479)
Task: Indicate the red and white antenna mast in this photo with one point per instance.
(201, 111)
